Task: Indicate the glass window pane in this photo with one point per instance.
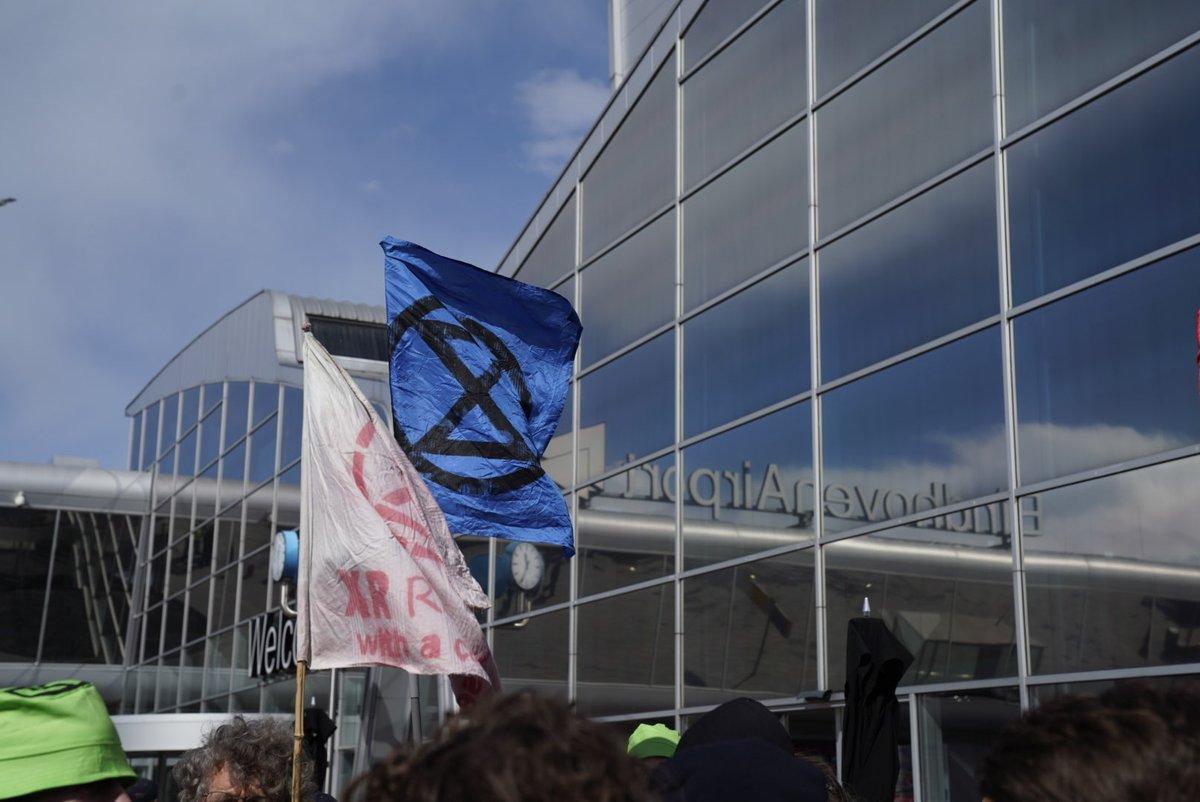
(351, 338)
(919, 272)
(191, 408)
(751, 87)
(749, 489)
(236, 409)
(924, 433)
(150, 437)
(948, 597)
(554, 586)
(750, 218)
(135, 448)
(554, 254)
(262, 451)
(224, 597)
(233, 471)
(750, 631)
(210, 438)
(630, 423)
(716, 21)
(534, 655)
(25, 554)
(749, 351)
(957, 730)
(170, 418)
(1114, 180)
(293, 424)
(1054, 52)
(213, 394)
(626, 527)
(266, 400)
(631, 667)
(629, 291)
(635, 173)
(1112, 571)
(1109, 374)
(853, 33)
(187, 455)
(920, 113)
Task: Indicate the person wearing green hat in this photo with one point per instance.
(57, 744)
(652, 743)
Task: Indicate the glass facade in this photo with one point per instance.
(919, 328)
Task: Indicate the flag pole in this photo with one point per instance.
(298, 730)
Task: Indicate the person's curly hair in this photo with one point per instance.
(254, 752)
(517, 748)
(1134, 742)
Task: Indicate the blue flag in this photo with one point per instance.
(479, 370)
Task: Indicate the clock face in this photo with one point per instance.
(278, 555)
(527, 566)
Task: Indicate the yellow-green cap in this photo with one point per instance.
(653, 740)
(56, 735)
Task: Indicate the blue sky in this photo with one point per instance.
(169, 159)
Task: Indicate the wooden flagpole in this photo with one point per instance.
(298, 731)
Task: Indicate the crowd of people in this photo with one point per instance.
(1134, 742)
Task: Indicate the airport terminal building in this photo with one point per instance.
(892, 302)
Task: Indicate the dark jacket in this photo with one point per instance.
(745, 770)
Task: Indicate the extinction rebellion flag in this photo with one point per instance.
(381, 581)
(480, 364)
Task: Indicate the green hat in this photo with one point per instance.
(55, 735)
(653, 740)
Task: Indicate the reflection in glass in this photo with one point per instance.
(626, 653)
(236, 410)
(1110, 182)
(1109, 374)
(293, 422)
(554, 254)
(626, 530)
(210, 439)
(749, 489)
(233, 471)
(716, 21)
(262, 452)
(748, 219)
(150, 437)
(956, 731)
(533, 652)
(919, 272)
(135, 448)
(170, 421)
(1054, 52)
(1112, 571)
(212, 396)
(749, 351)
(943, 588)
(750, 631)
(632, 401)
(925, 433)
(191, 408)
(749, 88)
(920, 113)
(852, 35)
(629, 291)
(635, 173)
(187, 455)
(552, 587)
(266, 400)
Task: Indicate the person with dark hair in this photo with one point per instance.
(515, 748)
(739, 751)
(246, 760)
(1134, 742)
(57, 744)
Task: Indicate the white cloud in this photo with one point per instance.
(559, 106)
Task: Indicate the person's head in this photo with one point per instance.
(57, 744)
(1133, 742)
(243, 760)
(516, 748)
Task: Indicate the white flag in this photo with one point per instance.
(382, 582)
